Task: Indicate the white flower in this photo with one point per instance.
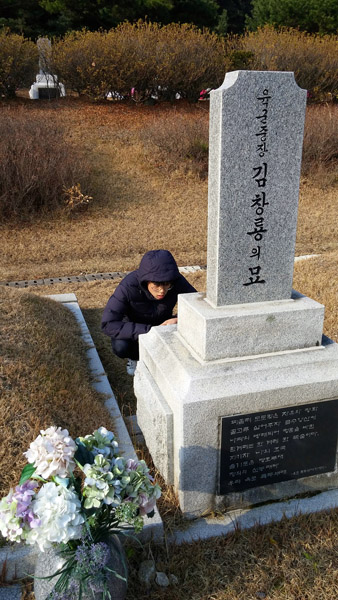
(100, 486)
(58, 509)
(101, 441)
(52, 453)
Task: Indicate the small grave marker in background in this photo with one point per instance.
(46, 85)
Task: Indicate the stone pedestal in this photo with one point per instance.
(238, 404)
(46, 86)
(248, 329)
(182, 399)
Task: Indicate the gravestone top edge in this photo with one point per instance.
(233, 77)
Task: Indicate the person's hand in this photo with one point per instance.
(172, 321)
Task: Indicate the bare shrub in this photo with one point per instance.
(189, 60)
(320, 148)
(36, 165)
(18, 62)
(84, 62)
(137, 60)
(151, 59)
(181, 141)
(313, 58)
(98, 63)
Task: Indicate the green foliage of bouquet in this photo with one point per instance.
(76, 495)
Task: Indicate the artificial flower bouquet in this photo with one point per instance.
(75, 495)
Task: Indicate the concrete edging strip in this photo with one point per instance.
(205, 528)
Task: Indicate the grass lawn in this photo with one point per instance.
(143, 200)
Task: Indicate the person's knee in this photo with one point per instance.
(120, 348)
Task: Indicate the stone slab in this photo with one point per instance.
(199, 395)
(234, 520)
(153, 411)
(249, 329)
(12, 592)
(255, 148)
(19, 560)
(63, 298)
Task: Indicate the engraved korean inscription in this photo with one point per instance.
(278, 445)
(260, 176)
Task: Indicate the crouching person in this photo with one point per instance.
(144, 298)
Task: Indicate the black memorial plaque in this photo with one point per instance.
(278, 445)
(48, 93)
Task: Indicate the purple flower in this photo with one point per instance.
(24, 495)
(146, 505)
(70, 593)
(100, 554)
(91, 558)
(131, 464)
(32, 520)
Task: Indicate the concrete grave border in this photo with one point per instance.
(20, 559)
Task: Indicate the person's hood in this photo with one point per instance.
(157, 265)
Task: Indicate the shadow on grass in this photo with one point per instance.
(115, 368)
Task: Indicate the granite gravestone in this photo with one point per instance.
(256, 136)
(249, 347)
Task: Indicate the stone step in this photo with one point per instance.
(10, 592)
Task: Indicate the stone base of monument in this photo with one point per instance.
(46, 87)
(249, 329)
(236, 431)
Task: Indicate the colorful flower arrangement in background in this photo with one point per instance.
(76, 494)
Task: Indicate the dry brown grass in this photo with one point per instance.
(317, 219)
(138, 203)
(179, 139)
(38, 163)
(44, 378)
(139, 208)
(320, 148)
(317, 278)
(292, 560)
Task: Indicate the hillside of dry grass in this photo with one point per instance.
(141, 200)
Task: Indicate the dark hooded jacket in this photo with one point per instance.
(132, 310)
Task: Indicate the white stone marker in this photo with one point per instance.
(46, 85)
(238, 404)
(256, 137)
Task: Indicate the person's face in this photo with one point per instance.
(159, 289)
